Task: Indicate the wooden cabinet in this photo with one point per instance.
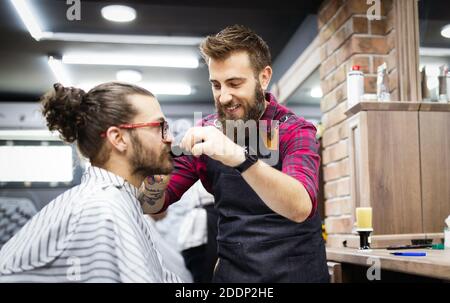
(400, 165)
(435, 164)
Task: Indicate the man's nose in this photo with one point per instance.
(169, 138)
(225, 97)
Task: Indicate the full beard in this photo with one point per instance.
(252, 111)
(146, 163)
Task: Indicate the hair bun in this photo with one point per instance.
(64, 111)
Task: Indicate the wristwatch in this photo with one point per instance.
(250, 159)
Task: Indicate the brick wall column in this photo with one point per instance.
(348, 37)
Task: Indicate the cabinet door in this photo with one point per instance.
(385, 169)
(394, 171)
(358, 156)
(435, 165)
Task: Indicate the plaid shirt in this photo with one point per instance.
(298, 154)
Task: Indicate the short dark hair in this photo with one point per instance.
(237, 38)
(82, 117)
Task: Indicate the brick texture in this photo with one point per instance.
(336, 170)
(370, 84)
(334, 79)
(335, 116)
(338, 206)
(334, 134)
(327, 11)
(327, 66)
(351, 26)
(337, 188)
(335, 152)
(348, 38)
(378, 27)
(339, 225)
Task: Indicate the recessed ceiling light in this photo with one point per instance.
(119, 13)
(128, 60)
(127, 39)
(31, 21)
(316, 92)
(445, 32)
(129, 75)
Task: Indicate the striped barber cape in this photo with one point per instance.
(94, 232)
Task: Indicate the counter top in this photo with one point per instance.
(435, 264)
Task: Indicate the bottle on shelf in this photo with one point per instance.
(424, 85)
(355, 85)
(383, 83)
(443, 71)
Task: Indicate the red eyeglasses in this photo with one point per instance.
(163, 124)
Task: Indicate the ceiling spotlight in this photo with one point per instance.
(316, 92)
(445, 31)
(119, 13)
(129, 75)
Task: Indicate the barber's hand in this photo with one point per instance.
(151, 193)
(210, 141)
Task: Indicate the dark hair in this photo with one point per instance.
(237, 38)
(82, 117)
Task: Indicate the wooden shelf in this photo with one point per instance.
(397, 106)
(382, 106)
(434, 107)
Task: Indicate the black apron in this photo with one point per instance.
(257, 245)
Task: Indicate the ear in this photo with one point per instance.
(117, 139)
(264, 77)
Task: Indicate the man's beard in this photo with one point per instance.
(252, 111)
(147, 163)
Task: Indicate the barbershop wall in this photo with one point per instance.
(348, 38)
